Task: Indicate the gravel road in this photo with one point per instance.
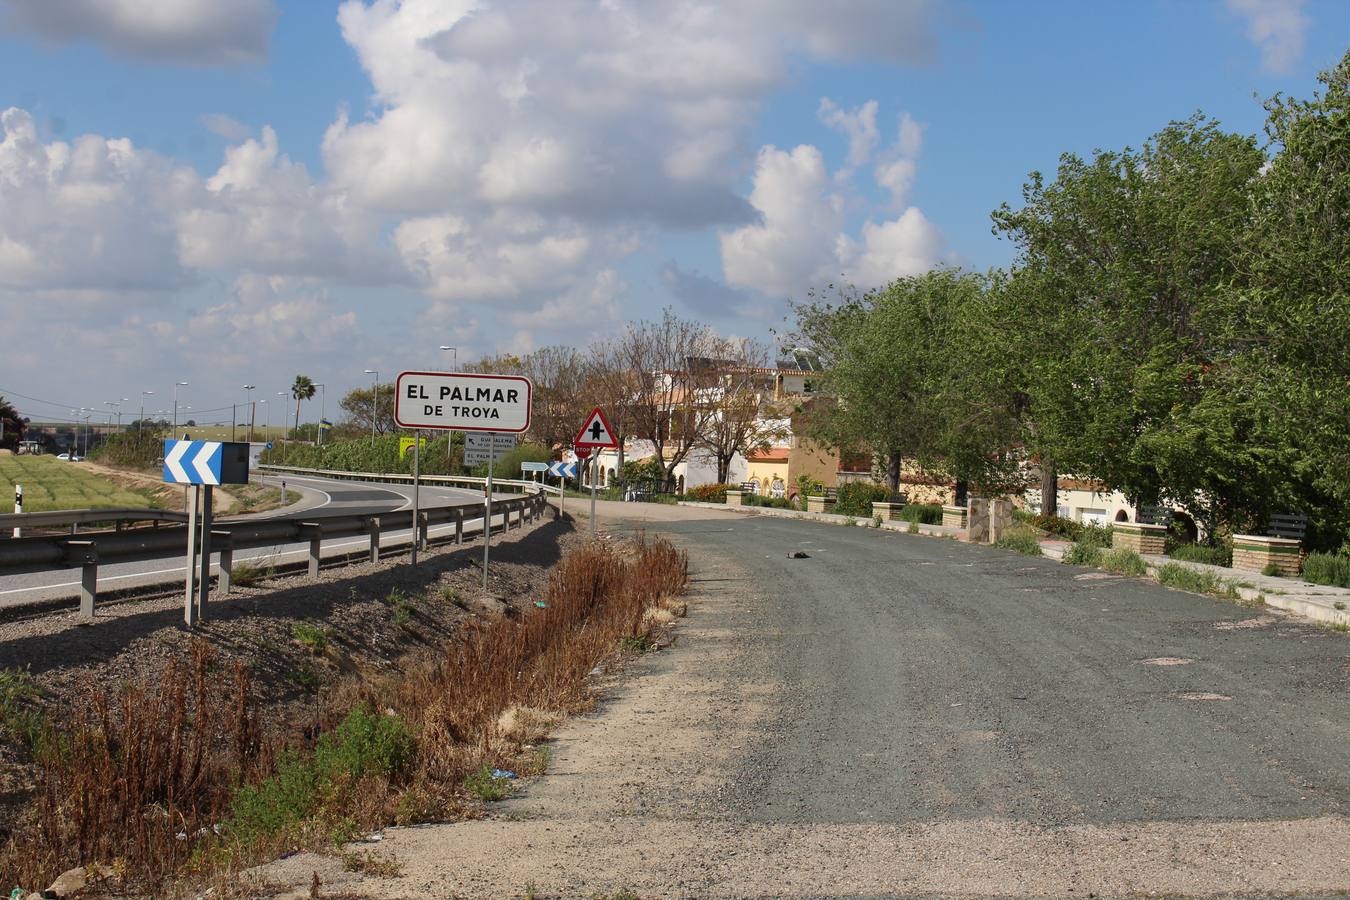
(901, 715)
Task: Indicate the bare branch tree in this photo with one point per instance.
(742, 418)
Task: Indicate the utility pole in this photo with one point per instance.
(374, 402)
(323, 413)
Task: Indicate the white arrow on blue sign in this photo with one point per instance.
(563, 470)
(205, 462)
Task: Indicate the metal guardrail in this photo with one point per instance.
(44, 553)
(516, 484)
(56, 517)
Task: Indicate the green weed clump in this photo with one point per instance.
(1081, 553)
(245, 575)
(922, 513)
(1020, 540)
(1327, 568)
(1186, 579)
(855, 498)
(314, 637)
(1123, 562)
(20, 712)
(487, 787)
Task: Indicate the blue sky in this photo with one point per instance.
(245, 191)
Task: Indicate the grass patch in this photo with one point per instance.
(314, 637)
(1020, 539)
(1328, 568)
(402, 605)
(913, 528)
(1198, 581)
(635, 643)
(20, 710)
(368, 862)
(1123, 562)
(451, 596)
(247, 575)
(48, 484)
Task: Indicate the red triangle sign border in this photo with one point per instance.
(581, 441)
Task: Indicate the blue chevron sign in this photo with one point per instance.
(205, 462)
(562, 469)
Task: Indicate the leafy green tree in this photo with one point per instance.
(303, 389)
(364, 404)
(1122, 260)
(889, 367)
(11, 425)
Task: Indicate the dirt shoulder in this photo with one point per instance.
(641, 797)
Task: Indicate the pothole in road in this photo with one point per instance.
(1167, 661)
(1200, 695)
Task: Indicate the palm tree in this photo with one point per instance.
(303, 389)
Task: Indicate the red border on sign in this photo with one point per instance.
(578, 442)
(529, 402)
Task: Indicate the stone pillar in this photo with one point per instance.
(819, 504)
(734, 498)
(1252, 553)
(1000, 519)
(888, 512)
(954, 516)
(1146, 540)
(977, 520)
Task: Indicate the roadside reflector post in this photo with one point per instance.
(222, 539)
(374, 526)
(85, 555)
(313, 532)
(423, 527)
(18, 507)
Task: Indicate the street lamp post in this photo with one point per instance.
(141, 423)
(119, 412)
(284, 442)
(248, 401)
(176, 386)
(323, 413)
(374, 402)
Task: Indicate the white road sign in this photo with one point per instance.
(463, 401)
(480, 446)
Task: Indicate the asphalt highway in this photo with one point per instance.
(321, 497)
(926, 679)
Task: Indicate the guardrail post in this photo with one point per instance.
(459, 526)
(313, 531)
(423, 524)
(374, 526)
(222, 539)
(85, 554)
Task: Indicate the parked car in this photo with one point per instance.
(70, 457)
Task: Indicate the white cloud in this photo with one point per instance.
(801, 240)
(270, 315)
(859, 124)
(226, 127)
(196, 32)
(96, 213)
(1276, 27)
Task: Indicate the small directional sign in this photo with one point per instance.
(596, 433)
(562, 469)
(205, 462)
(533, 467)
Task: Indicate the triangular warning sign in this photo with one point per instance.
(596, 432)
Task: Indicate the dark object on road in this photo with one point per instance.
(798, 554)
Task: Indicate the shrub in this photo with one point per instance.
(1021, 540)
(486, 786)
(131, 450)
(855, 498)
(365, 743)
(711, 493)
(1123, 562)
(1082, 553)
(1271, 570)
(767, 502)
(922, 513)
(1078, 532)
(1327, 568)
(1221, 555)
(809, 487)
(1184, 578)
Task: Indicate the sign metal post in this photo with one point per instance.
(190, 598)
(595, 435)
(199, 464)
(417, 486)
(204, 580)
(487, 517)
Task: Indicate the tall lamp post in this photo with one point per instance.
(141, 423)
(284, 442)
(323, 413)
(374, 402)
(248, 401)
(119, 412)
(176, 386)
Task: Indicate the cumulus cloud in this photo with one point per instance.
(270, 314)
(96, 213)
(224, 126)
(196, 32)
(800, 239)
(1276, 27)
